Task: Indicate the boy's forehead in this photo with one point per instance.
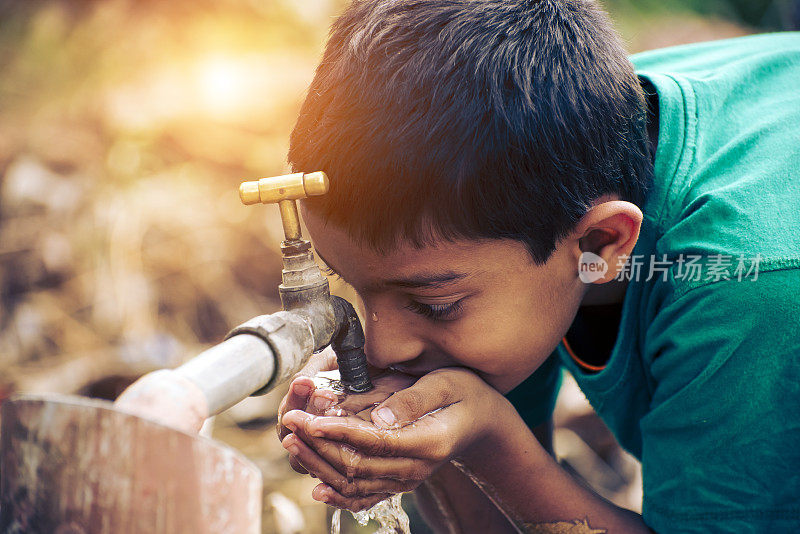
(441, 263)
(335, 247)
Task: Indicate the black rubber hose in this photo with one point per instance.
(348, 344)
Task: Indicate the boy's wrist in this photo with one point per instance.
(502, 432)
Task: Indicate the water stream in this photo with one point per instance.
(389, 515)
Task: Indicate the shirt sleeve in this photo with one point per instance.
(721, 441)
(535, 398)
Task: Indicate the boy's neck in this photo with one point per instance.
(612, 292)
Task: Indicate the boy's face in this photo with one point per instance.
(478, 304)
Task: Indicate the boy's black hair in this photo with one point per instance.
(471, 119)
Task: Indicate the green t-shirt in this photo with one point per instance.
(703, 383)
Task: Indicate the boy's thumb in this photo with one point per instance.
(428, 394)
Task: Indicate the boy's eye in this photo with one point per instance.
(436, 312)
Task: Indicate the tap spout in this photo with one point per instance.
(269, 349)
(348, 344)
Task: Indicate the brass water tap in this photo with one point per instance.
(304, 290)
(269, 349)
(284, 191)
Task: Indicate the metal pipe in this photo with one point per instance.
(290, 219)
(269, 349)
(229, 372)
(257, 355)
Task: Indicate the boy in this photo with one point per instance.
(508, 197)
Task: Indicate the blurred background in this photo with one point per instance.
(125, 129)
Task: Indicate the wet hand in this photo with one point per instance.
(446, 413)
(304, 395)
(300, 391)
(326, 401)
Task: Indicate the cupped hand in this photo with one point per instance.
(446, 413)
(300, 390)
(304, 395)
(326, 401)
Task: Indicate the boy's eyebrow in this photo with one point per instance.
(427, 280)
(418, 281)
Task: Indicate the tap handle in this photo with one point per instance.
(284, 190)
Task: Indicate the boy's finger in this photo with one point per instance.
(425, 439)
(431, 392)
(345, 485)
(354, 464)
(296, 398)
(297, 466)
(320, 401)
(311, 461)
(328, 495)
(350, 430)
(324, 360)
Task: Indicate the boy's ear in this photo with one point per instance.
(607, 232)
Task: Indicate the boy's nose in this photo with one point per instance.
(390, 342)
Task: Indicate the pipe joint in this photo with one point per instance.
(290, 338)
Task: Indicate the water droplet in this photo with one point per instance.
(374, 316)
